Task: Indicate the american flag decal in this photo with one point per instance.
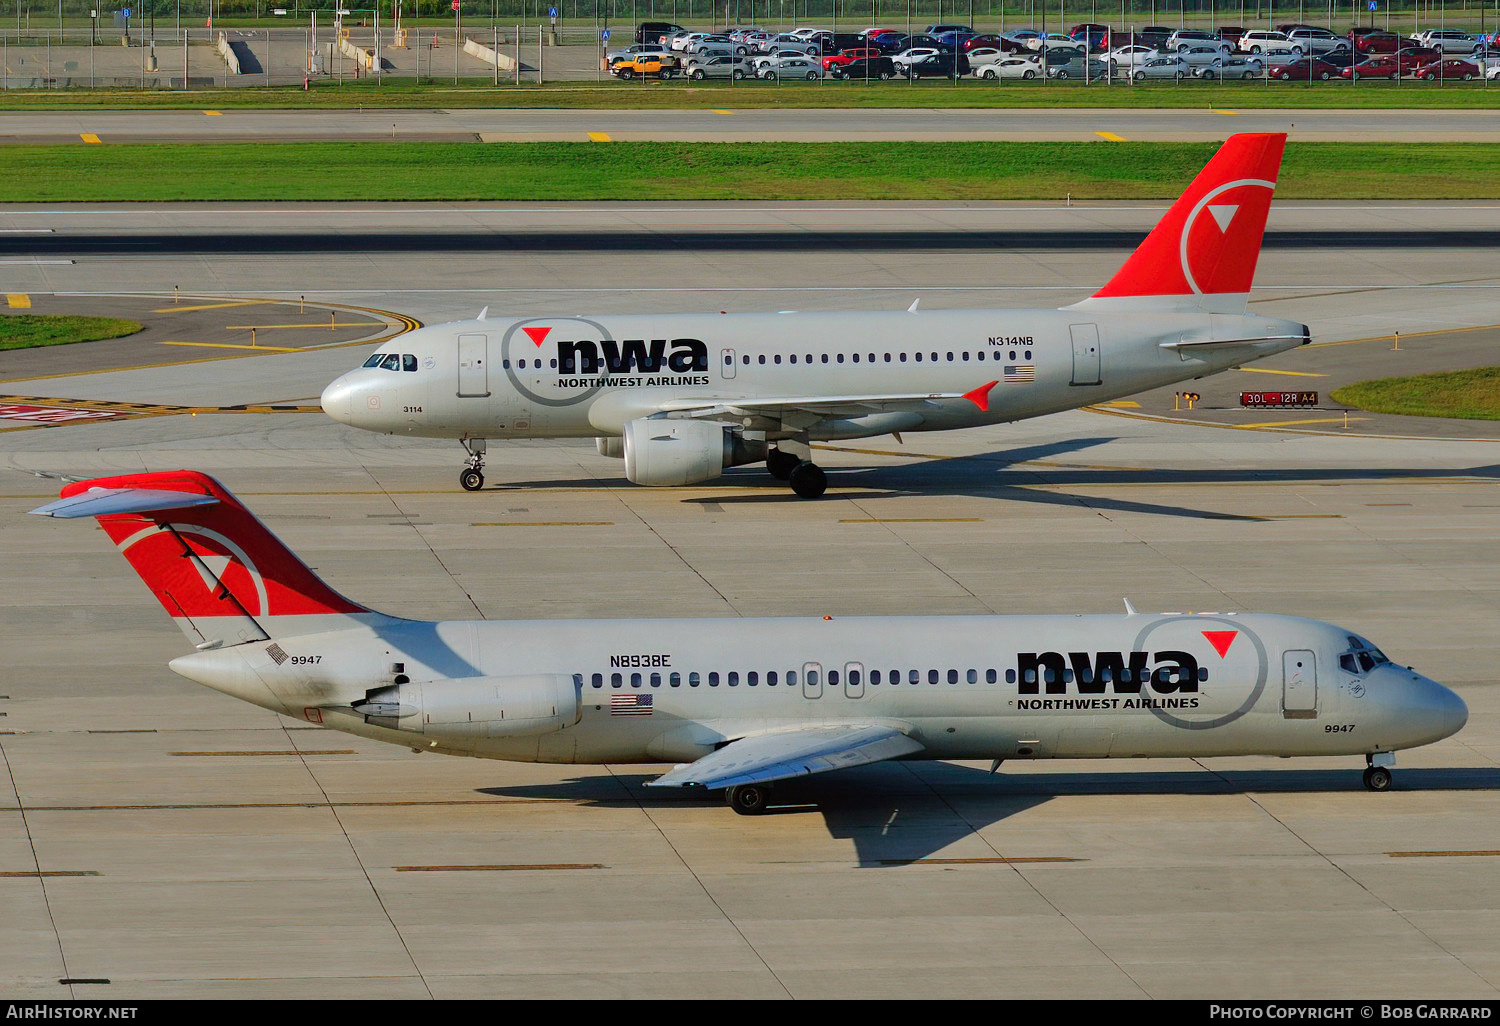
(276, 652)
(630, 705)
(1019, 373)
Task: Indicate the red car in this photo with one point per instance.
(1379, 42)
(1446, 70)
(854, 54)
(1420, 54)
(1385, 65)
(1303, 69)
(999, 43)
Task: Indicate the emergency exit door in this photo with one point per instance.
(1085, 354)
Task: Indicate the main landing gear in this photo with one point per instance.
(1377, 772)
(806, 477)
(472, 477)
(747, 799)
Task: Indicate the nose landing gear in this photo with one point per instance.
(1377, 772)
(472, 477)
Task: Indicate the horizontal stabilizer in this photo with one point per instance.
(1209, 343)
(104, 502)
(794, 752)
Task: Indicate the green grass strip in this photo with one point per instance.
(29, 331)
(680, 95)
(366, 171)
(1465, 395)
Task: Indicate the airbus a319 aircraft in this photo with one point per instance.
(743, 703)
(682, 397)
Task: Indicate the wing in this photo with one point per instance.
(792, 752)
(825, 406)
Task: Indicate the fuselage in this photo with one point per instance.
(965, 687)
(915, 370)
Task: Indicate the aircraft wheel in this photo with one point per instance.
(746, 799)
(1378, 778)
(781, 464)
(472, 480)
(808, 480)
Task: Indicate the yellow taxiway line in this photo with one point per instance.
(18, 301)
(1290, 423)
(1110, 137)
(89, 137)
(1293, 374)
(599, 137)
(231, 345)
(214, 306)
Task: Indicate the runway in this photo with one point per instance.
(730, 124)
(175, 843)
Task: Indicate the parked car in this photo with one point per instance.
(1303, 69)
(984, 41)
(1202, 56)
(1127, 57)
(791, 68)
(787, 41)
(655, 32)
(1446, 70)
(1257, 40)
(1184, 38)
(1381, 65)
(852, 54)
(1492, 74)
(1448, 40)
(1378, 41)
(916, 53)
(645, 65)
(1009, 67)
(1161, 67)
(1087, 69)
(1231, 67)
(1316, 41)
(632, 50)
(937, 30)
(939, 65)
(718, 66)
(1230, 34)
(881, 67)
(984, 55)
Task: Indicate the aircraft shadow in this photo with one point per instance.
(895, 813)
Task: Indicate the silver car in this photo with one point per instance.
(1231, 67)
(720, 66)
(1161, 67)
(792, 69)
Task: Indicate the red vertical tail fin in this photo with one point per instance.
(1207, 244)
(213, 566)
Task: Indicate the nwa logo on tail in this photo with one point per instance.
(625, 356)
(1168, 672)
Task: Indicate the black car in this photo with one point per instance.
(865, 67)
(939, 65)
(655, 31)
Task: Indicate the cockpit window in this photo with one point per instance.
(408, 362)
(1362, 656)
(374, 361)
(392, 362)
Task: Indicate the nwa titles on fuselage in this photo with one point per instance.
(682, 397)
(742, 703)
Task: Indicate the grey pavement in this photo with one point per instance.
(177, 843)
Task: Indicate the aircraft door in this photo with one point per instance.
(1085, 354)
(726, 363)
(812, 680)
(854, 680)
(473, 369)
(1299, 685)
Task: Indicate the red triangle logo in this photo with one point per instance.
(1221, 640)
(980, 396)
(536, 335)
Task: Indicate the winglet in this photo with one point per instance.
(980, 396)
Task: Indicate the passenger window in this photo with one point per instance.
(675, 679)
(833, 678)
(853, 676)
(919, 358)
(761, 359)
(713, 679)
(776, 359)
(635, 680)
(914, 677)
(1010, 676)
(874, 676)
(793, 358)
(597, 680)
(989, 675)
(656, 680)
(770, 678)
(408, 362)
(812, 677)
(734, 678)
(791, 678)
(616, 680)
(952, 676)
(752, 678)
(973, 677)
(932, 676)
(693, 679)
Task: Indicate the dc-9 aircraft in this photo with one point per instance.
(682, 397)
(743, 703)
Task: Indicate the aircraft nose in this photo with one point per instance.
(337, 400)
(1454, 713)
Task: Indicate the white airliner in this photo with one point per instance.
(682, 397)
(742, 703)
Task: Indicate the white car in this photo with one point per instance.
(1184, 38)
(1492, 73)
(1315, 41)
(985, 55)
(1008, 67)
(791, 69)
(1161, 67)
(1133, 56)
(1052, 44)
(906, 58)
(1263, 40)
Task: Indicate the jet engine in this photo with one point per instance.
(679, 452)
(476, 706)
